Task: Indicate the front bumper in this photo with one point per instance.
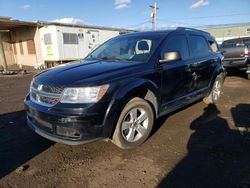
(64, 127)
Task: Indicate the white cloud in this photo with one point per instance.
(69, 21)
(25, 6)
(119, 4)
(199, 3)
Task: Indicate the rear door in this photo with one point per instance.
(203, 60)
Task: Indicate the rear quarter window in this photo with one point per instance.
(213, 46)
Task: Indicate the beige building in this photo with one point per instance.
(224, 32)
(22, 44)
(19, 44)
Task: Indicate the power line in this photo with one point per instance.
(170, 21)
(139, 24)
(217, 16)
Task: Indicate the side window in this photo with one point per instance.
(198, 46)
(177, 43)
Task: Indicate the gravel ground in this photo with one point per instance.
(198, 146)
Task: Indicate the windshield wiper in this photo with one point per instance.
(107, 58)
(111, 58)
(116, 59)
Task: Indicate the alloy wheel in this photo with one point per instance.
(135, 124)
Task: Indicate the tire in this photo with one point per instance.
(134, 124)
(215, 93)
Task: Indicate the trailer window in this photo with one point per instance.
(70, 38)
(47, 39)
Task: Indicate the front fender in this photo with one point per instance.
(126, 91)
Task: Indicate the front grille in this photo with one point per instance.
(44, 94)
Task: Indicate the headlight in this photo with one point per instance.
(83, 95)
(31, 83)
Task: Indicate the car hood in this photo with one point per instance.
(86, 72)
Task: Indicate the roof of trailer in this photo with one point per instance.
(6, 23)
(43, 23)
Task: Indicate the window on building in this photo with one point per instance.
(21, 47)
(229, 32)
(248, 31)
(177, 43)
(70, 38)
(31, 47)
(198, 46)
(47, 39)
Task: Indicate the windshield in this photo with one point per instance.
(128, 48)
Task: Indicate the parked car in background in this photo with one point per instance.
(237, 54)
(120, 89)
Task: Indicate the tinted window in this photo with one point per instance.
(198, 46)
(177, 43)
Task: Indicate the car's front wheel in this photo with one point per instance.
(134, 124)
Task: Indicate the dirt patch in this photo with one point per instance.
(198, 146)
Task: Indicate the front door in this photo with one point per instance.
(177, 78)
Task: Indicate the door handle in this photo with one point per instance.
(195, 75)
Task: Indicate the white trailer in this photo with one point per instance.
(60, 43)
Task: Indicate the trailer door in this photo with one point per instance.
(93, 39)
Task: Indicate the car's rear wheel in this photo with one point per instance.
(216, 91)
(134, 124)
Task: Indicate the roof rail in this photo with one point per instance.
(191, 29)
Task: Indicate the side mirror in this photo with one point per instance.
(170, 56)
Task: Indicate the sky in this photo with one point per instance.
(129, 13)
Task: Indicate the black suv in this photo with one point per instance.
(119, 90)
(237, 54)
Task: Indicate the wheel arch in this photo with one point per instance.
(142, 88)
(219, 69)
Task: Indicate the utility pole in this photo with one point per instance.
(154, 15)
